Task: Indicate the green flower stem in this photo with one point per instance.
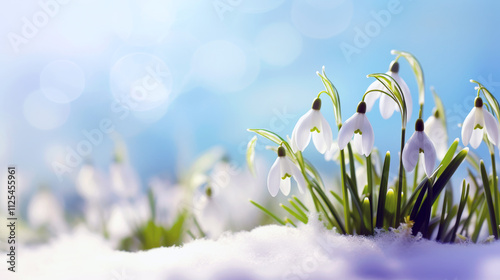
(495, 186)
(352, 168)
(345, 197)
(370, 186)
(400, 181)
(317, 203)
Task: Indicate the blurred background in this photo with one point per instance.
(100, 97)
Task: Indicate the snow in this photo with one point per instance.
(267, 252)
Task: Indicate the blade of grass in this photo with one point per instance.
(463, 201)
(489, 202)
(330, 207)
(300, 203)
(293, 213)
(263, 209)
(383, 191)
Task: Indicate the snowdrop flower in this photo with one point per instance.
(436, 131)
(359, 126)
(419, 143)
(280, 173)
(333, 153)
(124, 180)
(386, 104)
(474, 124)
(313, 123)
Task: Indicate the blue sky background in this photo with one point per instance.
(230, 65)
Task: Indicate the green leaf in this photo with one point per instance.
(367, 213)
(299, 210)
(461, 207)
(383, 191)
(489, 200)
(448, 157)
(330, 207)
(300, 203)
(251, 154)
(298, 216)
(334, 95)
(413, 196)
(269, 135)
(492, 101)
(355, 199)
(395, 92)
(152, 204)
(417, 70)
(448, 172)
(269, 213)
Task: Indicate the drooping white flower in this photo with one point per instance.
(333, 153)
(312, 123)
(124, 180)
(386, 104)
(418, 143)
(281, 172)
(359, 126)
(436, 131)
(475, 123)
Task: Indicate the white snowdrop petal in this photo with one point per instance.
(284, 167)
(273, 178)
(410, 153)
(491, 125)
(347, 130)
(476, 137)
(285, 186)
(429, 155)
(332, 152)
(387, 106)
(368, 136)
(302, 132)
(297, 175)
(479, 117)
(371, 97)
(319, 142)
(315, 119)
(327, 131)
(357, 143)
(468, 127)
(435, 130)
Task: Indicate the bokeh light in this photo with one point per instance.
(44, 114)
(62, 81)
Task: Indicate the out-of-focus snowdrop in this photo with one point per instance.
(91, 184)
(124, 217)
(333, 153)
(435, 129)
(222, 203)
(211, 211)
(170, 200)
(46, 211)
(124, 180)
